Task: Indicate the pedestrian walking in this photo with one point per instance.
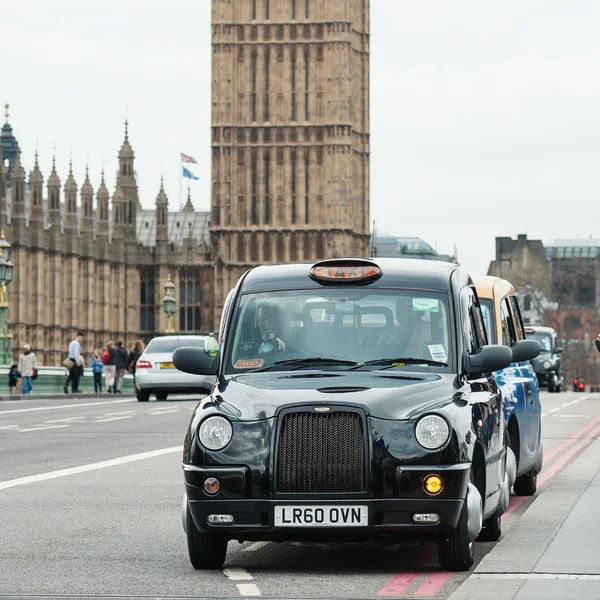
(136, 352)
(121, 365)
(13, 379)
(108, 358)
(27, 367)
(74, 364)
(97, 367)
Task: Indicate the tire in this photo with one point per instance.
(457, 552)
(492, 528)
(161, 396)
(206, 550)
(526, 485)
(143, 396)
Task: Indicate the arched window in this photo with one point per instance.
(189, 301)
(147, 302)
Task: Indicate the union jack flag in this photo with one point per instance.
(188, 159)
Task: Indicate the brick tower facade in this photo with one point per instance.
(290, 132)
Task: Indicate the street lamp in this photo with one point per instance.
(169, 303)
(6, 274)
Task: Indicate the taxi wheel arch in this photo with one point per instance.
(514, 437)
(206, 550)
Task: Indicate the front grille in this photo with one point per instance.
(322, 453)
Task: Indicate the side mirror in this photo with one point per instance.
(525, 350)
(559, 350)
(195, 361)
(488, 359)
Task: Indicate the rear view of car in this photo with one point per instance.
(547, 365)
(156, 374)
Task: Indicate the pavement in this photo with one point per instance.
(91, 492)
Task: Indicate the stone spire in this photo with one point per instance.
(70, 201)
(127, 182)
(87, 205)
(54, 197)
(8, 146)
(17, 191)
(102, 200)
(162, 216)
(118, 214)
(36, 187)
(189, 207)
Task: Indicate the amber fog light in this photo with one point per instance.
(433, 484)
(212, 485)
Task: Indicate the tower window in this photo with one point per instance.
(306, 83)
(267, 9)
(254, 186)
(240, 247)
(293, 87)
(267, 177)
(254, 10)
(307, 6)
(267, 83)
(293, 158)
(293, 9)
(253, 87)
(306, 184)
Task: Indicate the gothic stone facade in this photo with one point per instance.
(290, 173)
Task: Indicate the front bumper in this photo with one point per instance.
(254, 517)
(169, 382)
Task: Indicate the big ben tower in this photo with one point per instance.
(290, 132)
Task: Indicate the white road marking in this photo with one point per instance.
(553, 410)
(24, 410)
(9, 427)
(248, 589)
(256, 546)
(70, 419)
(238, 574)
(164, 412)
(40, 427)
(565, 405)
(113, 419)
(85, 468)
(123, 412)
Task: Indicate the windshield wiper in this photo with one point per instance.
(300, 362)
(390, 362)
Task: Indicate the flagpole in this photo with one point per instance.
(180, 179)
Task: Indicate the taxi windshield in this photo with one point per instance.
(341, 328)
(544, 339)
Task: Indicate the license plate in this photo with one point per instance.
(166, 365)
(321, 516)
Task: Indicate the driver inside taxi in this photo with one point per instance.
(269, 323)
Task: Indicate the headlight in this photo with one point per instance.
(215, 433)
(432, 432)
(547, 364)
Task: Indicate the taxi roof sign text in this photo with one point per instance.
(345, 271)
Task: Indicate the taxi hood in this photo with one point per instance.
(382, 394)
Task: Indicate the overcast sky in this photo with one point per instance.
(485, 116)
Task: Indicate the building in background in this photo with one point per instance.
(290, 181)
(559, 286)
(387, 246)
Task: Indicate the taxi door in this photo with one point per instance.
(531, 422)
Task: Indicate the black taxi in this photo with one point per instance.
(354, 400)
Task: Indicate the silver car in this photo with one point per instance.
(156, 374)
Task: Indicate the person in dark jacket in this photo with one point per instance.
(597, 342)
(13, 379)
(121, 364)
(136, 352)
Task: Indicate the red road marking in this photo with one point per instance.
(560, 463)
(398, 584)
(432, 585)
(552, 453)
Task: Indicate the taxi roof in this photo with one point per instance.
(486, 285)
(540, 329)
(396, 272)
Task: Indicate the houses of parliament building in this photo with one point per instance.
(290, 181)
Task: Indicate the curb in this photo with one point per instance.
(59, 396)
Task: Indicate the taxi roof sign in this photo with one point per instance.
(345, 271)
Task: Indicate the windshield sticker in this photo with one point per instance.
(438, 352)
(252, 363)
(426, 304)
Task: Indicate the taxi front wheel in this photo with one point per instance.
(457, 551)
(206, 550)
